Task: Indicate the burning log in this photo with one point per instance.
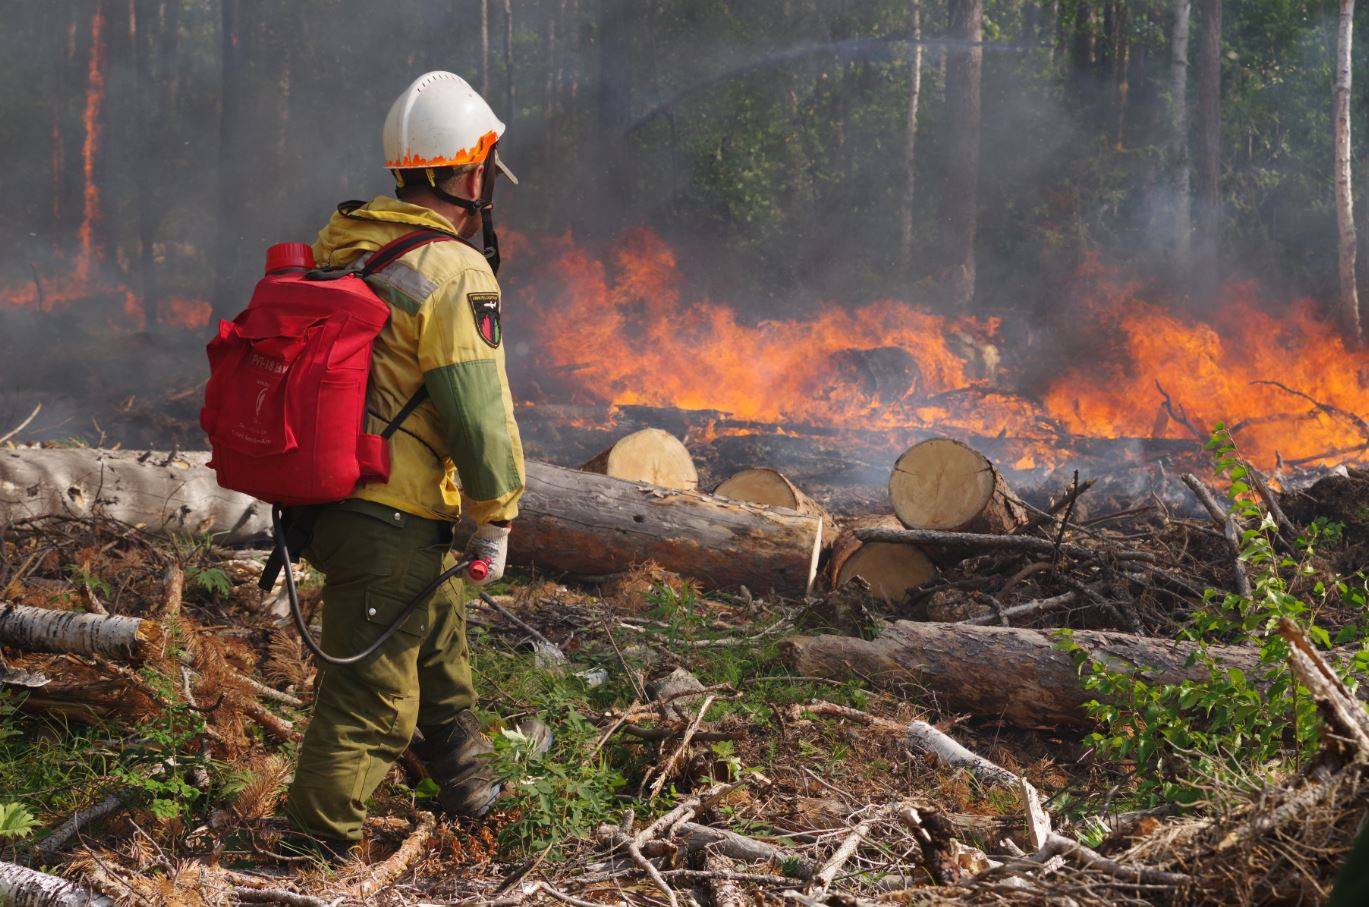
(944, 484)
(892, 569)
(771, 488)
(571, 521)
(160, 491)
(649, 455)
(1007, 673)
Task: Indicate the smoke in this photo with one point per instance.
(763, 142)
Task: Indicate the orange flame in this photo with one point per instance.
(626, 334)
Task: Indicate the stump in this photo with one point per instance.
(649, 455)
(944, 484)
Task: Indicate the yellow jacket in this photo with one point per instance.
(462, 442)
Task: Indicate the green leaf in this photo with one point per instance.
(16, 821)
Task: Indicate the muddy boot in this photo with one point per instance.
(458, 760)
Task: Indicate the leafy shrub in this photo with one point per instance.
(1226, 726)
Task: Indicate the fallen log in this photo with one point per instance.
(24, 887)
(649, 455)
(892, 569)
(47, 630)
(945, 484)
(158, 491)
(570, 521)
(1017, 675)
(771, 488)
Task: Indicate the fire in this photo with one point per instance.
(628, 333)
(95, 93)
(1243, 368)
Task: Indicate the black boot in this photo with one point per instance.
(458, 758)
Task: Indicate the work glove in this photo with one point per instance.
(490, 544)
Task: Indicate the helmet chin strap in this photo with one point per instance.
(484, 206)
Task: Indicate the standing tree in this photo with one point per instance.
(962, 144)
(1208, 170)
(1345, 205)
(508, 62)
(1178, 118)
(910, 141)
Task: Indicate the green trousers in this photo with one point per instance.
(374, 560)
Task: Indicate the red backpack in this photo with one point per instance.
(286, 400)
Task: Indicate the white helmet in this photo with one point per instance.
(441, 121)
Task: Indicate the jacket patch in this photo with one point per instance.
(485, 308)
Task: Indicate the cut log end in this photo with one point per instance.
(892, 570)
(649, 455)
(771, 488)
(944, 484)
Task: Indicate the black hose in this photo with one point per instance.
(279, 533)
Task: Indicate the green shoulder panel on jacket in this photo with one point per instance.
(469, 397)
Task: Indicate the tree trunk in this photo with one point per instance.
(47, 630)
(962, 146)
(650, 455)
(944, 484)
(153, 490)
(1345, 205)
(570, 521)
(24, 887)
(508, 63)
(577, 522)
(1178, 119)
(910, 141)
(485, 49)
(1007, 673)
(233, 159)
(1208, 170)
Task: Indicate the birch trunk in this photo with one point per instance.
(1345, 205)
(47, 630)
(24, 887)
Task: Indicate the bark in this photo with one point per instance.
(1208, 169)
(1345, 205)
(161, 492)
(649, 455)
(1016, 675)
(578, 522)
(910, 139)
(47, 630)
(485, 48)
(962, 146)
(772, 489)
(1178, 119)
(508, 63)
(24, 887)
(571, 521)
(941, 483)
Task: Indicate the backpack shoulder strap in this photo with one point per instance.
(384, 257)
(395, 249)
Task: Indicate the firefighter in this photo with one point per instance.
(380, 547)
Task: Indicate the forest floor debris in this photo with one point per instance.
(151, 773)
